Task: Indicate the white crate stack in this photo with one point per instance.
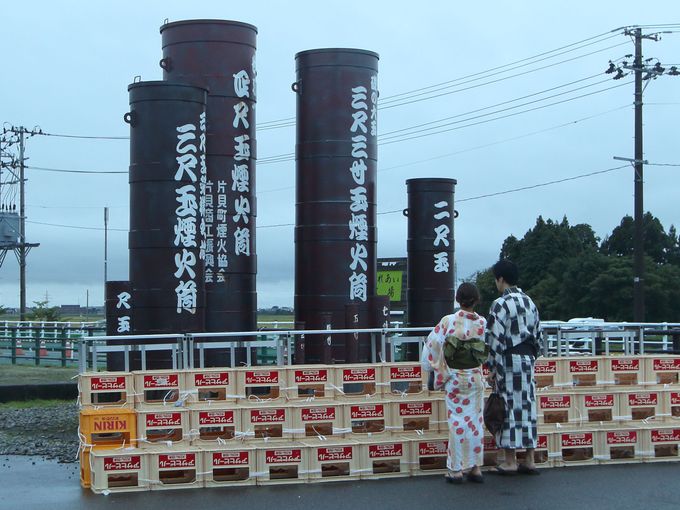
(300, 424)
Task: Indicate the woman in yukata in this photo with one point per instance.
(455, 351)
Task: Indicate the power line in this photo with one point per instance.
(79, 227)
(519, 137)
(431, 133)
(383, 135)
(524, 188)
(383, 106)
(483, 146)
(662, 164)
(44, 169)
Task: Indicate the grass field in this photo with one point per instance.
(22, 374)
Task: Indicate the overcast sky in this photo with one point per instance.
(67, 65)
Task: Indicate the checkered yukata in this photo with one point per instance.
(513, 319)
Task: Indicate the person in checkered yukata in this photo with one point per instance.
(513, 335)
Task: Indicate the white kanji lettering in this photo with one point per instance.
(123, 324)
(242, 148)
(241, 115)
(240, 177)
(441, 231)
(242, 207)
(241, 82)
(359, 95)
(242, 241)
(358, 170)
(359, 199)
(358, 227)
(187, 201)
(358, 253)
(186, 296)
(441, 262)
(358, 286)
(123, 299)
(185, 232)
(359, 147)
(185, 261)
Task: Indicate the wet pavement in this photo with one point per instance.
(28, 483)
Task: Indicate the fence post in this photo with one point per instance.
(37, 347)
(13, 341)
(63, 347)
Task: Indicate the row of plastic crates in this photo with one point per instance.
(214, 424)
(210, 424)
(342, 382)
(607, 371)
(580, 406)
(314, 460)
(271, 384)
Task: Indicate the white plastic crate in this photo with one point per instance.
(577, 448)
(624, 370)
(168, 426)
(310, 382)
(178, 468)
(557, 408)
(357, 382)
(106, 389)
(261, 384)
(662, 369)
(584, 371)
(415, 416)
(316, 419)
(367, 418)
(267, 422)
(212, 425)
(229, 466)
(216, 386)
(662, 444)
(621, 445)
(385, 458)
(429, 454)
(119, 471)
(403, 380)
(157, 387)
(598, 405)
(334, 460)
(282, 464)
(642, 405)
(547, 372)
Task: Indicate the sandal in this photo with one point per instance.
(453, 479)
(526, 470)
(475, 478)
(503, 472)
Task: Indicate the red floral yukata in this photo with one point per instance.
(464, 389)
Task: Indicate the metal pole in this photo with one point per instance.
(106, 247)
(22, 231)
(638, 238)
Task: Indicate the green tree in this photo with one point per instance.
(658, 245)
(43, 312)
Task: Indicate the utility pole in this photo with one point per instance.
(643, 72)
(106, 246)
(21, 248)
(639, 235)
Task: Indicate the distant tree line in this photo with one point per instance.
(569, 272)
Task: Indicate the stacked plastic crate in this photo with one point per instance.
(267, 425)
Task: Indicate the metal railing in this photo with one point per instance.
(189, 350)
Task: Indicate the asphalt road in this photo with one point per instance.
(31, 483)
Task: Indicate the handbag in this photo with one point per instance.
(494, 413)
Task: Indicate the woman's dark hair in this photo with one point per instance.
(507, 270)
(467, 295)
